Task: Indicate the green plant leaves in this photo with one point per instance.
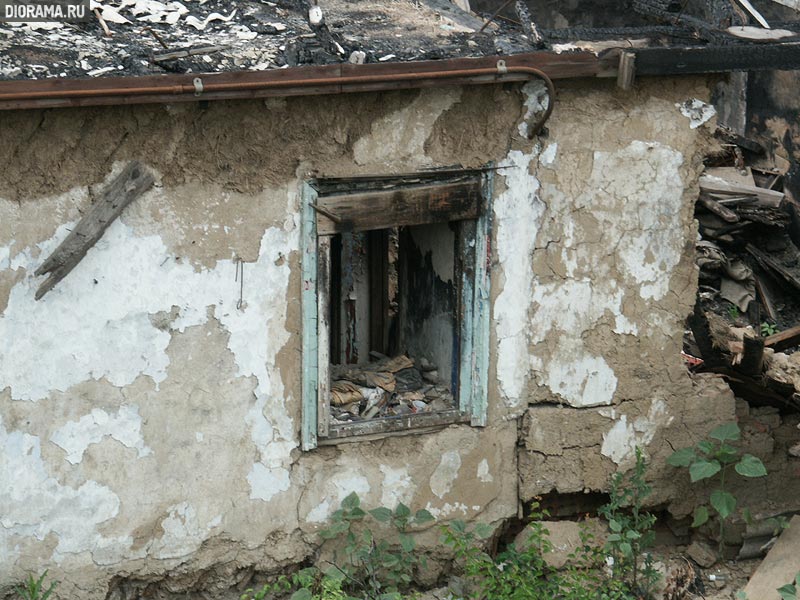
(703, 469)
(750, 466)
(705, 447)
(700, 516)
(352, 501)
(788, 591)
(614, 525)
(402, 511)
(723, 502)
(381, 514)
(726, 432)
(483, 530)
(682, 458)
(406, 542)
(302, 594)
(422, 516)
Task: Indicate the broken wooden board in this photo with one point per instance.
(795, 4)
(132, 182)
(709, 183)
(415, 205)
(456, 14)
(784, 339)
(779, 567)
(732, 175)
(757, 34)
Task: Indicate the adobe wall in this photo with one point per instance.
(150, 428)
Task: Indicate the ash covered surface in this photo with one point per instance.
(150, 37)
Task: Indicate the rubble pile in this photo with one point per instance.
(386, 387)
(748, 308)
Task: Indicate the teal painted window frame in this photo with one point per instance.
(474, 326)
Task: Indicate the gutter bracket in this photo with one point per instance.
(198, 86)
(502, 69)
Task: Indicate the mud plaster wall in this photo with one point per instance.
(150, 427)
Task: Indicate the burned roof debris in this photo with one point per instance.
(151, 37)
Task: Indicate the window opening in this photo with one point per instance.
(395, 304)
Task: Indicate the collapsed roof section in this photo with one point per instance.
(151, 37)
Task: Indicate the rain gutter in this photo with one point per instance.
(298, 81)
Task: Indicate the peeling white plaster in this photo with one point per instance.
(483, 473)
(446, 473)
(635, 222)
(447, 509)
(577, 376)
(125, 426)
(548, 156)
(184, 532)
(620, 442)
(517, 215)
(341, 483)
(34, 504)
(320, 513)
(97, 323)
(265, 482)
(536, 101)
(697, 111)
(644, 208)
(397, 486)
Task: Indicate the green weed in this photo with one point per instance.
(34, 589)
(713, 459)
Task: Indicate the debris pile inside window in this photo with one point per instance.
(387, 387)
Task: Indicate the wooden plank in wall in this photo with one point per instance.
(399, 207)
(131, 183)
(323, 332)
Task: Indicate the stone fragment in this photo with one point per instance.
(702, 554)
(565, 537)
(795, 450)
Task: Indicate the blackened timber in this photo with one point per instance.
(770, 264)
(416, 205)
(698, 323)
(717, 59)
(753, 358)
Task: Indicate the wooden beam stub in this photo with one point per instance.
(132, 182)
(627, 70)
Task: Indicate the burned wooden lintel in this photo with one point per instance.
(414, 205)
(133, 181)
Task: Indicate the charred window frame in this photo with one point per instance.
(461, 198)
